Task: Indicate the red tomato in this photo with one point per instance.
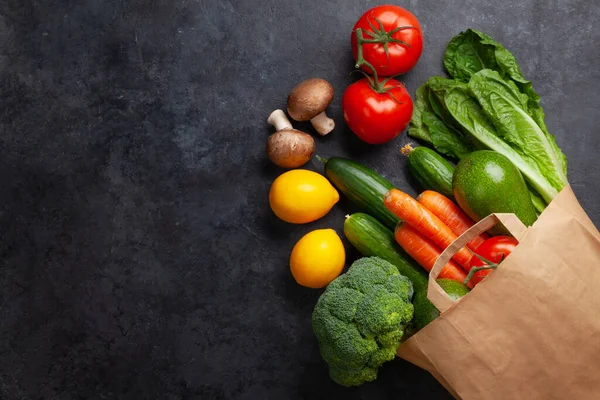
(402, 56)
(493, 250)
(375, 117)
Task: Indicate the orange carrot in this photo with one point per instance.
(431, 227)
(426, 253)
(450, 214)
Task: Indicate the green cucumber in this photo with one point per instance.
(372, 238)
(430, 170)
(363, 186)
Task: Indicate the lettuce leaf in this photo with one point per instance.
(491, 110)
(488, 104)
(472, 51)
(432, 123)
(537, 200)
(445, 139)
(505, 106)
(417, 128)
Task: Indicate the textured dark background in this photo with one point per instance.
(139, 257)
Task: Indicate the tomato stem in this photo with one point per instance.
(379, 36)
(489, 265)
(475, 270)
(360, 60)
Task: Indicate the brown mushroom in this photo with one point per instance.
(288, 147)
(309, 100)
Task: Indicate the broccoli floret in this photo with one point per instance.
(360, 318)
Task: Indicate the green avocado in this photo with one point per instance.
(486, 182)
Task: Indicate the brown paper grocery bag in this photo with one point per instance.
(531, 329)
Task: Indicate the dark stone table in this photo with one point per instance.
(139, 256)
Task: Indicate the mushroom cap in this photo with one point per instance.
(290, 148)
(309, 99)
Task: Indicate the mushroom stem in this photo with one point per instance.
(279, 120)
(323, 124)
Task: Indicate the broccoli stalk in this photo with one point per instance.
(360, 319)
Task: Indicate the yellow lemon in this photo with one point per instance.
(300, 196)
(318, 258)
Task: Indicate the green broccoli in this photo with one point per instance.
(360, 318)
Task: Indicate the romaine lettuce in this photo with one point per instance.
(488, 104)
(471, 51)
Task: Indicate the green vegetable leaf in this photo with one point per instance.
(445, 131)
(437, 88)
(504, 106)
(432, 123)
(469, 113)
(417, 129)
(446, 140)
(471, 51)
(489, 105)
(537, 200)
